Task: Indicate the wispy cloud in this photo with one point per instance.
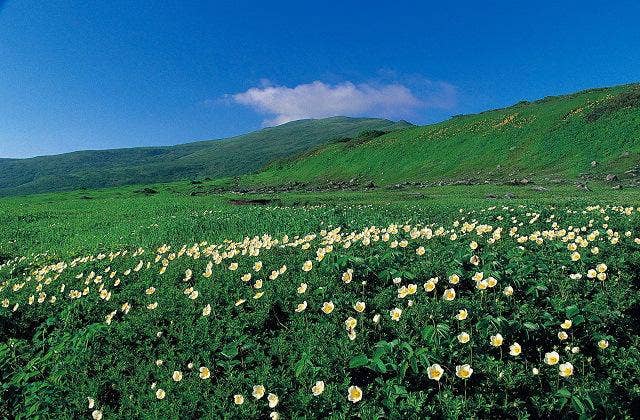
(318, 100)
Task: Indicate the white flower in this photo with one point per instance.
(463, 371)
(318, 388)
(449, 294)
(355, 394)
(496, 340)
(273, 400)
(566, 369)
(258, 391)
(515, 349)
(551, 358)
(435, 372)
(395, 314)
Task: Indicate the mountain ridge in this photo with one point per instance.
(209, 158)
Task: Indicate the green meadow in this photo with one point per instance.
(148, 303)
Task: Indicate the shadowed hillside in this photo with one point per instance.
(216, 158)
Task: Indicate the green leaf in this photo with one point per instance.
(379, 352)
(577, 320)
(483, 325)
(428, 333)
(588, 400)
(379, 366)
(230, 351)
(301, 365)
(400, 390)
(414, 365)
(409, 275)
(443, 329)
(407, 348)
(403, 369)
(358, 361)
(578, 405)
(572, 311)
(595, 318)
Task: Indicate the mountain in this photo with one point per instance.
(585, 135)
(216, 158)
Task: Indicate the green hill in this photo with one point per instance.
(552, 138)
(215, 158)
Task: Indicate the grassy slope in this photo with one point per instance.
(552, 137)
(229, 157)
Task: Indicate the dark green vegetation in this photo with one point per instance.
(55, 355)
(217, 158)
(552, 139)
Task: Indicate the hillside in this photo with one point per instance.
(216, 158)
(555, 138)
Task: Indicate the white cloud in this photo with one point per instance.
(320, 100)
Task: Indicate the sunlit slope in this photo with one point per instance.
(555, 137)
(217, 158)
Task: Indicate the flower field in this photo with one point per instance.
(503, 311)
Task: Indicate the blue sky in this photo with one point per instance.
(87, 75)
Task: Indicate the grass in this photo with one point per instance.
(92, 221)
(117, 290)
